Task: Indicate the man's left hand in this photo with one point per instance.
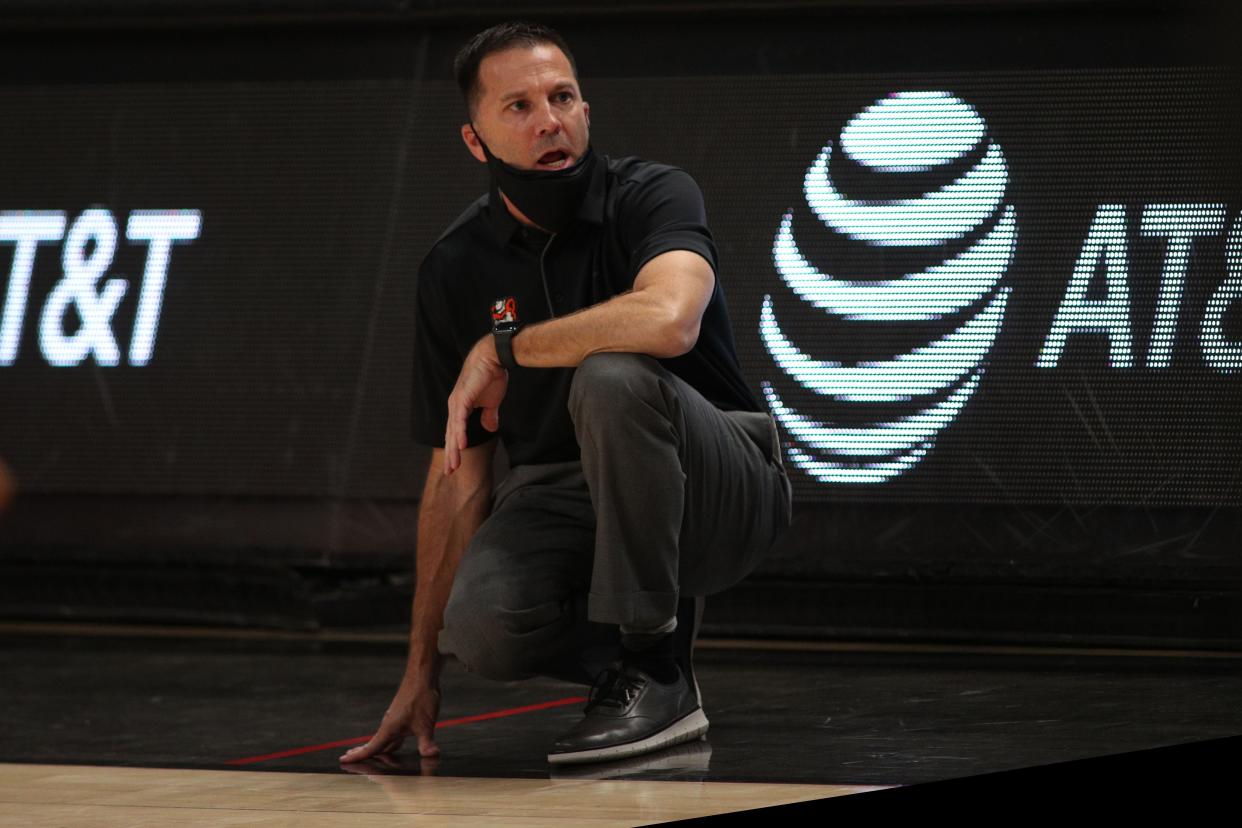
(481, 384)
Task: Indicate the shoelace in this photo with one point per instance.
(614, 688)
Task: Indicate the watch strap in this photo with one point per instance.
(504, 347)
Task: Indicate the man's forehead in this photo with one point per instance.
(513, 72)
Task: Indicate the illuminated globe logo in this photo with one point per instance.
(906, 233)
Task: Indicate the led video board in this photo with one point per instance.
(1009, 287)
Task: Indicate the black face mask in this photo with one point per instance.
(549, 198)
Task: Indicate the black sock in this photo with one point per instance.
(652, 657)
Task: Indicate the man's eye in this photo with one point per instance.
(565, 97)
(518, 105)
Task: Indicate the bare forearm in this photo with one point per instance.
(634, 322)
(446, 522)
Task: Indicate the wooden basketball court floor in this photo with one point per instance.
(116, 726)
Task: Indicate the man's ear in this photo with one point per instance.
(471, 139)
(586, 112)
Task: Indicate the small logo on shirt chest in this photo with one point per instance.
(504, 311)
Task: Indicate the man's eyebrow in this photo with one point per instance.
(523, 93)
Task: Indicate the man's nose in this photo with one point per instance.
(549, 123)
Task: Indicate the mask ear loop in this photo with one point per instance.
(486, 152)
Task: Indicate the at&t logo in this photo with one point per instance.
(925, 182)
(85, 296)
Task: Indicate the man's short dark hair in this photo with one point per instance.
(497, 39)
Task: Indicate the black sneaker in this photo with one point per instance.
(630, 713)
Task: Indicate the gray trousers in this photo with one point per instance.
(672, 497)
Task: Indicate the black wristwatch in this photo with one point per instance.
(504, 326)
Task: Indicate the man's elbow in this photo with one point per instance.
(681, 337)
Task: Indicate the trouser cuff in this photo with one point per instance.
(637, 610)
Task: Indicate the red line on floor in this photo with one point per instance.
(478, 717)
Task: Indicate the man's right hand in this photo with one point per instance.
(413, 712)
(450, 513)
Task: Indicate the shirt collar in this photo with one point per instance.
(591, 210)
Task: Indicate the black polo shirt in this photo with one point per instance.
(634, 210)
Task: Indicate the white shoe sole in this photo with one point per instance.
(692, 726)
(688, 757)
